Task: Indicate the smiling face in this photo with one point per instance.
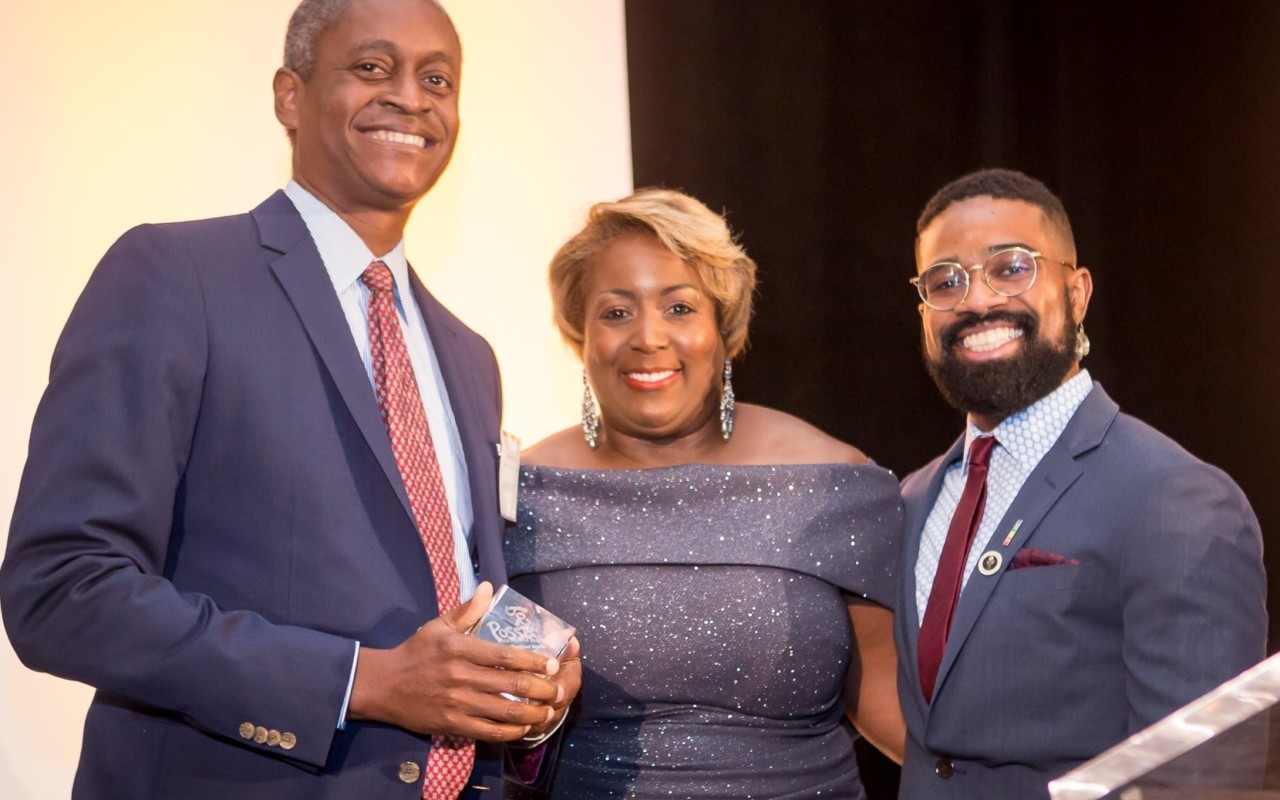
(992, 355)
(652, 348)
(375, 123)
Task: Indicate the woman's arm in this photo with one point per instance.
(871, 686)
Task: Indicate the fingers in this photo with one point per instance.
(519, 683)
(569, 679)
(491, 654)
(462, 618)
(479, 715)
(572, 650)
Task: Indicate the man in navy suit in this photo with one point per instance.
(1079, 575)
(212, 527)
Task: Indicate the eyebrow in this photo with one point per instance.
(995, 248)
(669, 290)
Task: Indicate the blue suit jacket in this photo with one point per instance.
(211, 515)
(1048, 666)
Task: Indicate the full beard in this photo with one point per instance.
(1007, 385)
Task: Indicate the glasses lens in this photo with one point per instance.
(1010, 272)
(943, 285)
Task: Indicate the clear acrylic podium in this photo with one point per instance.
(1222, 746)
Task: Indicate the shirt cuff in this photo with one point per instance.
(351, 684)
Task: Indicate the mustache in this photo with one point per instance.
(950, 335)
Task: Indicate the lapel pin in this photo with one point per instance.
(990, 562)
(1012, 533)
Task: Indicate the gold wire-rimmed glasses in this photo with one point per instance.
(1008, 272)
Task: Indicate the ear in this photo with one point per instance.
(288, 87)
(1080, 289)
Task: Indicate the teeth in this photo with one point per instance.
(990, 339)
(651, 377)
(400, 138)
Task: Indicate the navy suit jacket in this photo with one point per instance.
(211, 516)
(1048, 666)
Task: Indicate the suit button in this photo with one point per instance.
(945, 768)
(260, 735)
(409, 772)
(273, 738)
(288, 741)
(246, 730)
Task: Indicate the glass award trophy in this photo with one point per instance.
(1223, 746)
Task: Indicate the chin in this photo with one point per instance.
(1002, 385)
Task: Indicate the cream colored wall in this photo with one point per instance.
(152, 110)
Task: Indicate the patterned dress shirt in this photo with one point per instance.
(1022, 440)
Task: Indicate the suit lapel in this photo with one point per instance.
(918, 507)
(302, 275)
(467, 402)
(1050, 479)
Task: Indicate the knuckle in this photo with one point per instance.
(492, 733)
(446, 677)
(513, 712)
(451, 646)
(507, 658)
(521, 684)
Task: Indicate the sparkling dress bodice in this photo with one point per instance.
(709, 601)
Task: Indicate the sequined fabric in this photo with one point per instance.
(708, 600)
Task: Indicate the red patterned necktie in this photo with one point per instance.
(946, 582)
(451, 758)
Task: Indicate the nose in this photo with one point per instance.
(981, 297)
(649, 334)
(406, 93)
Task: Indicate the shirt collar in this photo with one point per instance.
(344, 253)
(1028, 434)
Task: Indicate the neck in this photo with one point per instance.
(987, 422)
(381, 229)
(618, 449)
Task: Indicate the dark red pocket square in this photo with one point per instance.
(1031, 557)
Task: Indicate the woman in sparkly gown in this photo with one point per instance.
(728, 566)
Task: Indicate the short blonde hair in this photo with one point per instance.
(694, 233)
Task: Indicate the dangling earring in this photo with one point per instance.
(726, 402)
(590, 417)
(1082, 342)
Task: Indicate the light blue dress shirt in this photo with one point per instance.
(1022, 439)
(345, 257)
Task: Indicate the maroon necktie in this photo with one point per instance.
(946, 582)
(451, 758)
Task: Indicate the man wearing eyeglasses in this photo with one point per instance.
(1070, 575)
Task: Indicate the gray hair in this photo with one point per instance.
(310, 19)
(309, 22)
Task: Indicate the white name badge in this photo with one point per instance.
(508, 475)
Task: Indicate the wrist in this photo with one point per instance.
(367, 690)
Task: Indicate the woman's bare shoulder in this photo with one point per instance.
(788, 439)
(564, 448)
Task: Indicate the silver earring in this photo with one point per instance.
(590, 417)
(726, 402)
(1082, 342)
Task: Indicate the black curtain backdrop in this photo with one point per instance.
(822, 126)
